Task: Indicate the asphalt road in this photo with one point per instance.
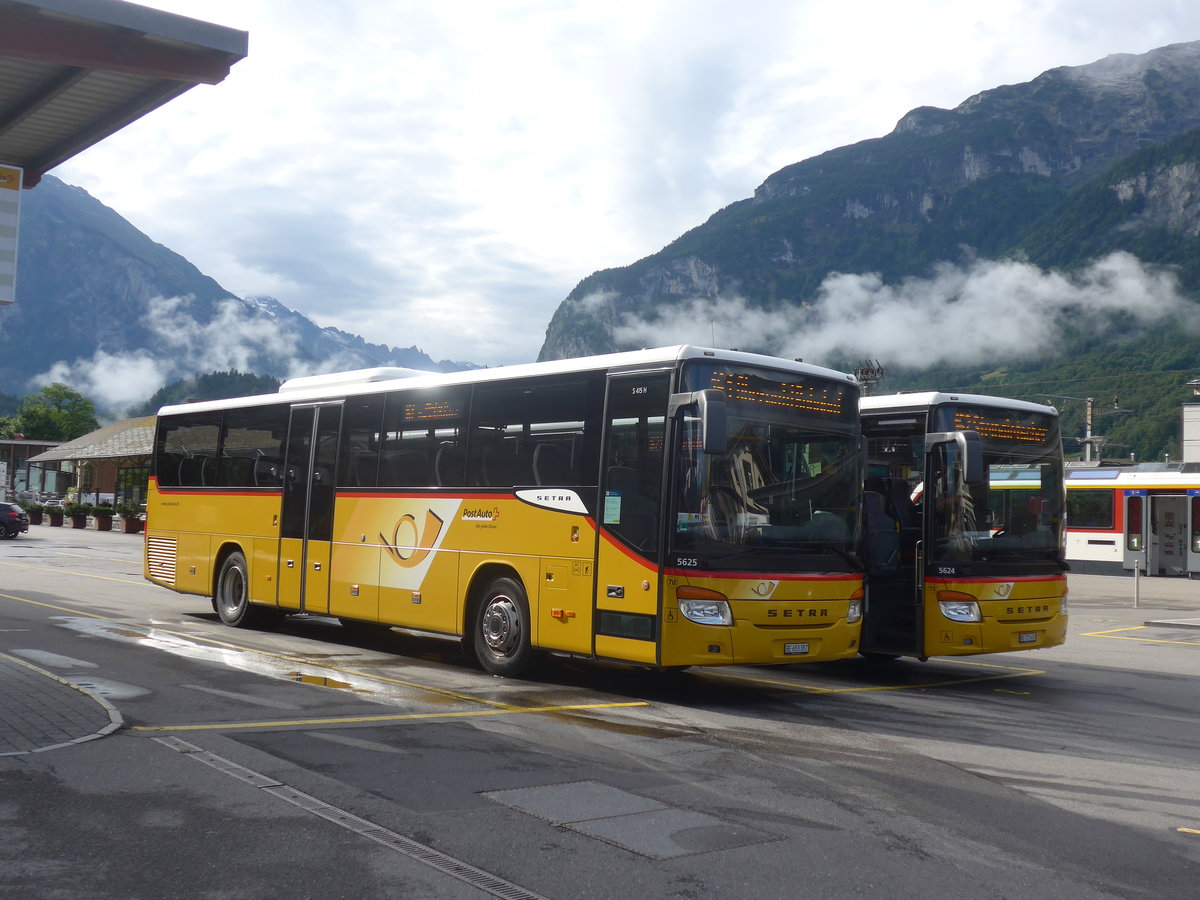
(307, 762)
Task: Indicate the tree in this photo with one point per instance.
(57, 413)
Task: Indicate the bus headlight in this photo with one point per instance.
(855, 610)
(704, 607)
(958, 607)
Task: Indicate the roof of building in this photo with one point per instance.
(73, 72)
(126, 439)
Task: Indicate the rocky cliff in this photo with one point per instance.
(1021, 171)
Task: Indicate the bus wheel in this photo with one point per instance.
(502, 628)
(232, 598)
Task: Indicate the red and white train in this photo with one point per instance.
(1145, 516)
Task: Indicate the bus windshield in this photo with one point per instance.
(784, 494)
(1016, 515)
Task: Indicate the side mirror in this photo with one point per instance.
(970, 449)
(710, 405)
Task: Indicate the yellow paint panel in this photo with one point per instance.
(354, 581)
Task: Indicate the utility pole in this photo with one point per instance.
(869, 373)
(1093, 444)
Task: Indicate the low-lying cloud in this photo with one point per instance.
(974, 312)
(236, 337)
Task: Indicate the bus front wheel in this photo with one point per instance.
(232, 597)
(501, 628)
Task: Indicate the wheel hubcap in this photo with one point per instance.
(233, 590)
(501, 626)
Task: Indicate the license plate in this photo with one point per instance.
(1027, 637)
(795, 649)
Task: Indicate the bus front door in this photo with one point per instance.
(892, 625)
(306, 519)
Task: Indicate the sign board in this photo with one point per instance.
(10, 216)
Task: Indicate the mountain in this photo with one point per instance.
(1039, 240)
(96, 295)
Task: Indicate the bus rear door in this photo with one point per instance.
(306, 519)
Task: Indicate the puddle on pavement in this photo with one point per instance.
(323, 681)
(260, 663)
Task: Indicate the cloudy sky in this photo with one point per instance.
(443, 174)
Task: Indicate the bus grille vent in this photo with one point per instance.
(160, 559)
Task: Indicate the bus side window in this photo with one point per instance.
(542, 431)
(421, 439)
(183, 445)
(359, 463)
(251, 446)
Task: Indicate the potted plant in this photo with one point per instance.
(56, 515)
(103, 514)
(34, 511)
(78, 514)
(131, 517)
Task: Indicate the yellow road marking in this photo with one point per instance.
(1009, 672)
(77, 574)
(401, 717)
(68, 609)
(1115, 634)
(1188, 830)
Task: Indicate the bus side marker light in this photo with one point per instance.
(562, 614)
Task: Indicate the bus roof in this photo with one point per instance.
(926, 399)
(369, 381)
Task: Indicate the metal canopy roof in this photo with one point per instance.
(73, 72)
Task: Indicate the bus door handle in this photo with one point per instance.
(316, 567)
(615, 590)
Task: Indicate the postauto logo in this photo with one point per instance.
(481, 515)
(411, 543)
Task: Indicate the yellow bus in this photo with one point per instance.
(671, 507)
(958, 561)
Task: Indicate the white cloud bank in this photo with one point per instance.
(981, 311)
(235, 338)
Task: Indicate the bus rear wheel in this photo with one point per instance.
(232, 597)
(501, 628)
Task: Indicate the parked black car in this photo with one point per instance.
(12, 521)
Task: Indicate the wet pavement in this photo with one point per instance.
(40, 711)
